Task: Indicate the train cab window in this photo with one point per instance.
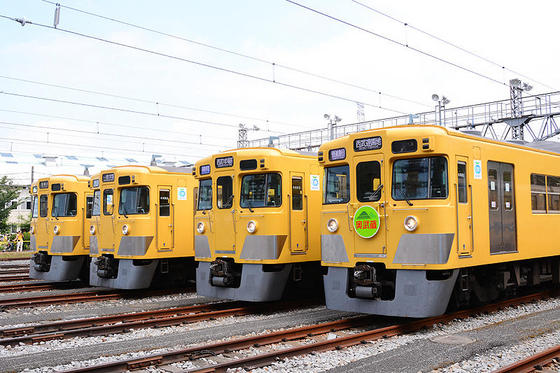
(420, 178)
(64, 204)
(96, 207)
(538, 194)
(164, 203)
(261, 190)
(462, 182)
(336, 185)
(43, 205)
(35, 207)
(108, 202)
(134, 201)
(297, 193)
(89, 206)
(368, 181)
(205, 195)
(553, 194)
(224, 192)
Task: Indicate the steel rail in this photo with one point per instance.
(212, 349)
(15, 278)
(532, 363)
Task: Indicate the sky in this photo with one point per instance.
(183, 97)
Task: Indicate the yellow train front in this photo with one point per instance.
(257, 224)
(416, 218)
(59, 238)
(142, 227)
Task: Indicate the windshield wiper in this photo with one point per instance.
(403, 196)
(124, 211)
(377, 191)
(249, 204)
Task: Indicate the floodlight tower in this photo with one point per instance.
(440, 108)
(243, 141)
(333, 121)
(516, 88)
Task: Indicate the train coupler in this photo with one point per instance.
(107, 267)
(42, 262)
(225, 273)
(371, 281)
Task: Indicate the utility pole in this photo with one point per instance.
(32, 173)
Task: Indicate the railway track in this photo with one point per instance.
(295, 334)
(39, 286)
(15, 278)
(14, 259)
(105, 325)
(14, 271)
(89, 296)
(533, 363)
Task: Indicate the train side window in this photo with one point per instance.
(96, 208)
(108, 202)
(44, 205)
(508, 191)
(553, 194)
(297, 193)
(462, 182)
(538, 194)
(368, 181)
(164, 206)
(224, 192)
(89, 206)
(493, 188)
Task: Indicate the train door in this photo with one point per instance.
(108, 222)
(368, 220)
(224, 216)
(43, 223)
(298, 213)
(463, 204)
(87, 219)
(501, 200)
(164, 219)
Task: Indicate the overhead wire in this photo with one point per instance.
(158, 103)
(202, 64)
(239, 54)
(406, 24)
(396, 42)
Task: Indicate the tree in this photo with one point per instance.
(8, 193)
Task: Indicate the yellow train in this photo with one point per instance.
(142, 227)
(416, 218)
(59, 228)
(257, 223)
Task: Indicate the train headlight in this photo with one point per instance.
(92, 229)
(410, 223)
(251, 226)
(200, 227)
(32, 230)
(332, 225)
(56, 229)
(125, 229)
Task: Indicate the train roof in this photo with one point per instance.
(149, 169)
(258, 152)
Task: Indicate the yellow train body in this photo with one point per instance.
(61, 205)
(443, 205)
(142, 225)
(256, 222)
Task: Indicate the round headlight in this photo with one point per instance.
(56, 229)
(32, 229)
(92, 229)
(410, 223)
(332, 225)
(200, 227)
(251, 226)
(125, 229)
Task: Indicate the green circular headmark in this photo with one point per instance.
(366, 221)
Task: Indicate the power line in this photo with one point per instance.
(114, 108)
(239, 54)
(94, 122)
(158, 103)
(102, 134)
(406, 24)
(386, 38)
(202, 64)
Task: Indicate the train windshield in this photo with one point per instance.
(261, 190)
(336, 185)
(96, 210)
(64, 204)
(205, 194)
(35, 208)
(420, 178)
(135, 200)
